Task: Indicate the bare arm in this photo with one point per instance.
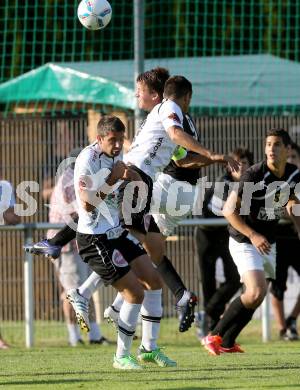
(194, 161)
(10, 218)
(179, 137)
(231, 213)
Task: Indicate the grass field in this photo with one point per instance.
(275, 365)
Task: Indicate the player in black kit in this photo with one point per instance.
(266, 192)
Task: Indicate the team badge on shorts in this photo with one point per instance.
(118, 259)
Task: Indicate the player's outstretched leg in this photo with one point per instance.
(43, 247)
(186, 310)
(81, 307)
(52, 247)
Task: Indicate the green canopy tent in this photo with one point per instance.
(231, 85)
(56, 83)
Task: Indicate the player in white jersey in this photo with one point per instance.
(150, 153)
(111, 251)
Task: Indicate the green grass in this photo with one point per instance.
(275, 365)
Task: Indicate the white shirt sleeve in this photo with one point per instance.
(170, 114)
(88, 174)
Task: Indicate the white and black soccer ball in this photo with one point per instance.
(94, 14)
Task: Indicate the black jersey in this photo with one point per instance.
(266, 204)
(185, 174)
(215, 198)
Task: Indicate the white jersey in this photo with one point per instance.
(92, 168)
(152, 148)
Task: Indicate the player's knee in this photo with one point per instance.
(153, 281)
(155, 248)
(156, 253)
(255, 296)
(156, 283)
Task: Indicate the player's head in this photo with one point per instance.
(277, 146)
(150, 87)
(179, 89)
(294, 154)
(110, 135)
(245, 158)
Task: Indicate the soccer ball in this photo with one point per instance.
(94, 14)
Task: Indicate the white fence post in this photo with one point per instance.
(28, 292)
(266, 323)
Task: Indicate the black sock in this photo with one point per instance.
(63, 236)
(244, 317)
(171, 278)
(231, 316)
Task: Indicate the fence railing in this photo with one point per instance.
(29, 229)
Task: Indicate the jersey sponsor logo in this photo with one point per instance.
(156, 147)
(118, 259)
(174, 117)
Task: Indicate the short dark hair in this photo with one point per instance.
(177, 87)
(296, 147)
(155, 79)
(110, 123)
(279, 132)
(242, 152)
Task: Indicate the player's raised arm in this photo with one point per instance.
(179, 137)
(178, 94)
(191, 160)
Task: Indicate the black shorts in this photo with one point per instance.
(287, 256)
(109, 258)
(141, 221)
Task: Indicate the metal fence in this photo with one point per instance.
(183, 262)
(30, 150)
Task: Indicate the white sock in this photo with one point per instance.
(95, 332)
(117, 303)
(90, 285)
(127, 323)
(184, 299)
(74, 334)
(151, 312)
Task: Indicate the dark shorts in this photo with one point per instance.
(141, 221)
(288, 255)
(109, 258)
